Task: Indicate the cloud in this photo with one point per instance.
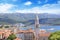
(32, 10)
(6, 8)
(28, 3)
(39, 10)
(47, 8)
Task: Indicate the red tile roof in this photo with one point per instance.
(41, 33)
(44, 34)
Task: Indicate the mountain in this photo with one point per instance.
(45, 18)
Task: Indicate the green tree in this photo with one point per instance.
(11, 37)
(6, 26)
(55, 36)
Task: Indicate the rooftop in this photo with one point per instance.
(41, 33)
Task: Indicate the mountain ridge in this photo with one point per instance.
(45, 18)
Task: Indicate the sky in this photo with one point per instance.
(30, 6)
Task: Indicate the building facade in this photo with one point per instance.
(29, 36)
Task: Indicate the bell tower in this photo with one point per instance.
(36, 27)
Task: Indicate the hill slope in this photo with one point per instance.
(45, 18)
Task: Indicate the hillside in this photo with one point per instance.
(45, 18)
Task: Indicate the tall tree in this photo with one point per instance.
(11, 37)
(55, 36)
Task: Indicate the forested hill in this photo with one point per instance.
(13, 18)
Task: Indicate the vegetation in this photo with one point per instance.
(55, 36)
(11, 37)
(6, 26)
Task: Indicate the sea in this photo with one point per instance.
(48, 28)
(41, 27)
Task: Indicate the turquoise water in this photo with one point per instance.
(51, 28)
(47, 28)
